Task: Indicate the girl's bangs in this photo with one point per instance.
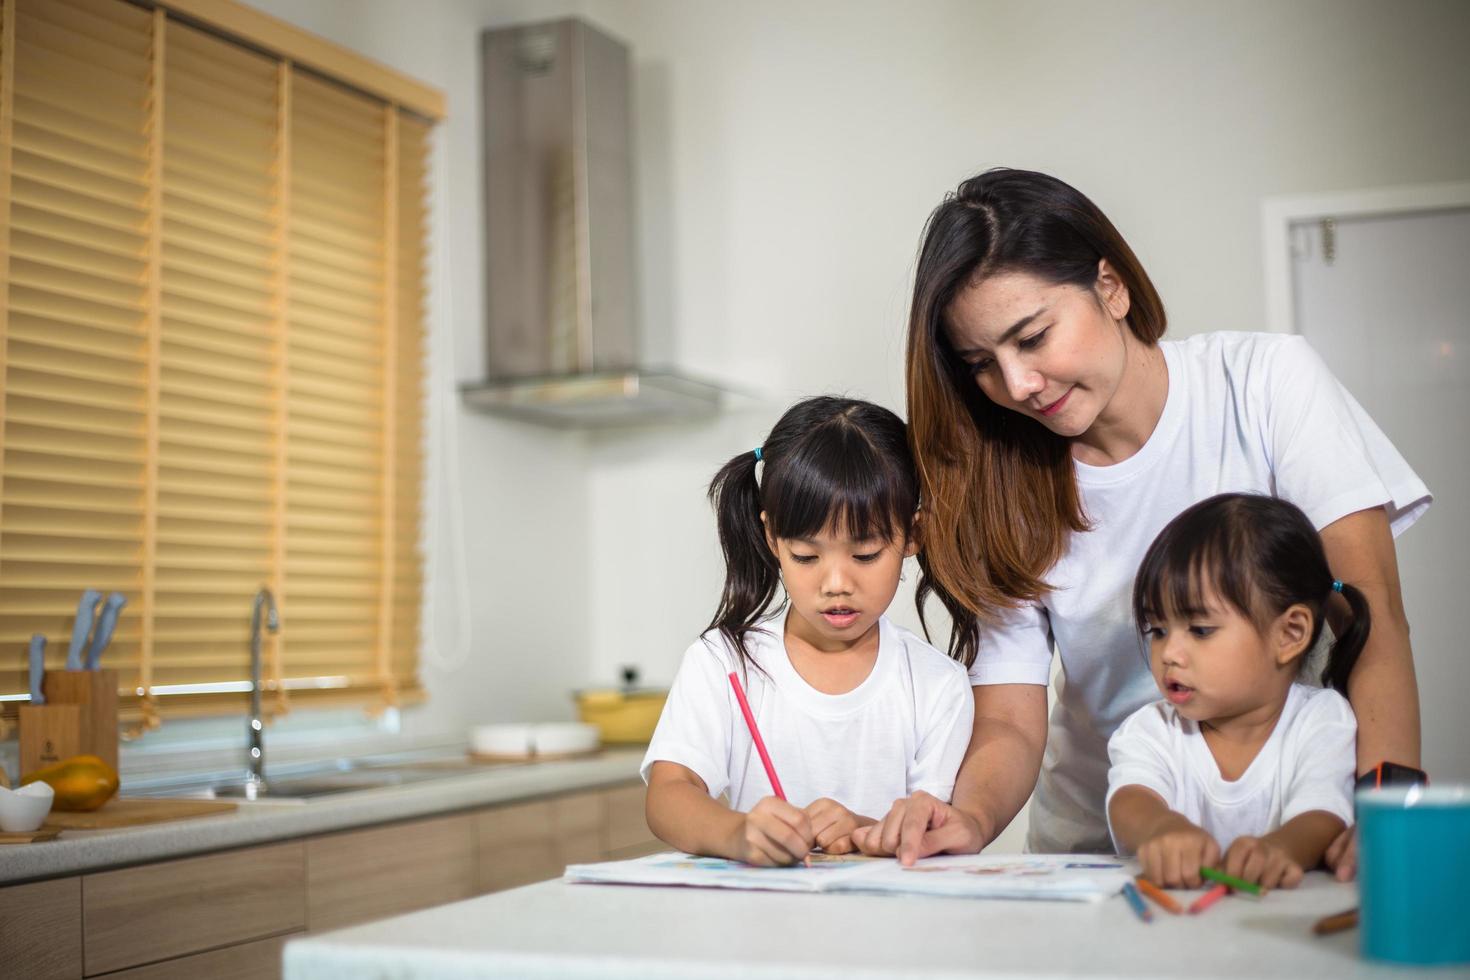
(842, 486)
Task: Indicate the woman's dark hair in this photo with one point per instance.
(1261, 555)
(828, 463)
(999, 488)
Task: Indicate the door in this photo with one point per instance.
(1385, 299)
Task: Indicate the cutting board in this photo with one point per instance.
(28, 836)
(130, 812)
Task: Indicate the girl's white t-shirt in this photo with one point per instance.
(1246, 412)
(904, 728)
(1307, 763)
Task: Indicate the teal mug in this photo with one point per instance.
(1413, 872)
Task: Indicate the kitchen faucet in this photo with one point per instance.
(255, 781)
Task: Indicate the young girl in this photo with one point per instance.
(1239, 758)
(854, 711)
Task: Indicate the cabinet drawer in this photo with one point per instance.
(160, 911)
(41, 927)
(626, 825)
(367, 874)
(260, 960)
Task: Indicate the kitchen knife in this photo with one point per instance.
(38, 667)
(82, 628)
(106, 623)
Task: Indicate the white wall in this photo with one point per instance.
(788, 153)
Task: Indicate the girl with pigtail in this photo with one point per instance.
(1240, 759)
(855, 711)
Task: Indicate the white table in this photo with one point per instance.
(556, 929)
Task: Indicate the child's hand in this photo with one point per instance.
(1175, 850)
(1262, 861)
(773, 833)
(833, 824)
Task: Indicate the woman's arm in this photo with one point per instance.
(680, 813)
(994, 782)
(1382, 688)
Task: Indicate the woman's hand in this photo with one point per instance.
(1262, 861)
(833, 825)
(1174, 851)
(1342, 855)
(918, 826)
(773, 833)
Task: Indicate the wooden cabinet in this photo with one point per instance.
(523, 843)
(247, 961)
(160, 911)
(628, 835)
(230, 914)
(41, 929)
(368, 874)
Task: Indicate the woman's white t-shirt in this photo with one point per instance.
(1308, 763)
(1246, 412)
(904, 728)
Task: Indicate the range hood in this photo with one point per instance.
(561, 335)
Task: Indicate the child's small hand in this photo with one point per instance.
(773, 833)
(833, 824)
(1262, 861)
(1174, 852)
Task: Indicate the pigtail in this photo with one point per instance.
(964, 637)
(1345, 650)
(751, 570)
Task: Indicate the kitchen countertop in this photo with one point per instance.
(558, 929)
(78, 851)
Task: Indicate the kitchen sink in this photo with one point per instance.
(302, 783)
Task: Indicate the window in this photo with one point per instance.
(212, 309)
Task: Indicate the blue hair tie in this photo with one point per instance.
(1336, 585)
(758, 458)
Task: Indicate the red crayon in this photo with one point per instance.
(755, 736)
(760, 746)
(1209, 898)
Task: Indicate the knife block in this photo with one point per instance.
(78, 718)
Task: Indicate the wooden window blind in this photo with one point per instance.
(212, 308)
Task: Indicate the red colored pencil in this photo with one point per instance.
(755, 736)
(760, 746)
(1208, 898)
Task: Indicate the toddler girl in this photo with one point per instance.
(1239, 758)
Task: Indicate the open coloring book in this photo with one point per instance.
(1056, 877)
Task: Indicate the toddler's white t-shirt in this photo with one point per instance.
(1307, 763)
(904, 728)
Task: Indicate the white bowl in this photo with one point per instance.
(25, 809)
(559, 739)
(502, 740)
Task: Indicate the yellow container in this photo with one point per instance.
(623, 717)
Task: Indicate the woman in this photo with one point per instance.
(1056, 435)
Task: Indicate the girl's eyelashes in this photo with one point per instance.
(1201, 631)
(867, 557)
(803, 559)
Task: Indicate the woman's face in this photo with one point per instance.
(1055, 353)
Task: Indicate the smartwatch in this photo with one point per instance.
(1391, 774)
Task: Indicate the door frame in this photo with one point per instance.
(1280, 212)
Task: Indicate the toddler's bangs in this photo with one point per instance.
(1196, 555)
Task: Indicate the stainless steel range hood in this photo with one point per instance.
(561, 341)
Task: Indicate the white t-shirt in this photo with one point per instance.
(1246, 412)
(904, 728)
(1307, 763)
